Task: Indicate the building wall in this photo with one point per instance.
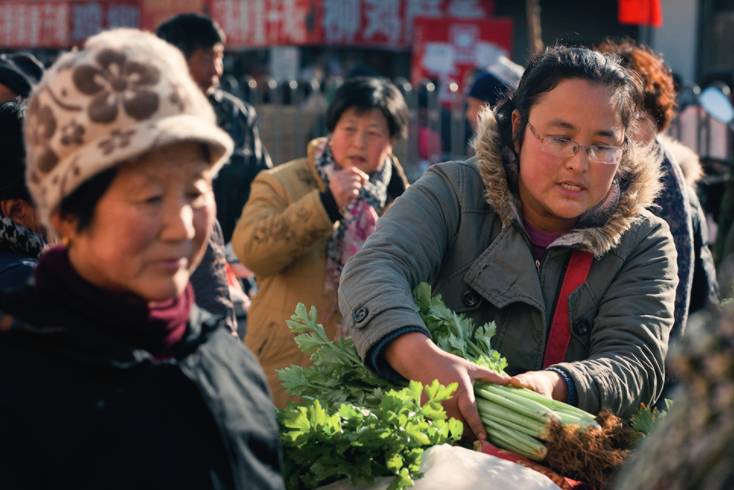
(678, 38)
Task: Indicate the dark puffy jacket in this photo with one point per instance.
(15, 269)
(78, 410)
(232, 183)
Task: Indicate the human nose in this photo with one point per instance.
(580, 159)
(360, 139)
(178, 222)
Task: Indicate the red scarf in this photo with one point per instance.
(71, 301)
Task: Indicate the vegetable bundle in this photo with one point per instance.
(566, 439)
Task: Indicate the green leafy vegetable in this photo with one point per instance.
(456, 333)
(354, 442)
(337, 374)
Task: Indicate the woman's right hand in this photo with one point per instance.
(345, 184)
(416, 357)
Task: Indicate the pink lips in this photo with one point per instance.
(572, 188)
(172, 264)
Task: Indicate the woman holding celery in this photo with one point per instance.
(545, 233)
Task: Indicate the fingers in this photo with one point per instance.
(362, 175)
(466, 403)
(480, 373)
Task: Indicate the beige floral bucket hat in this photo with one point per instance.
(124, 94)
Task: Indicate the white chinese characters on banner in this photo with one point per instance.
(293, 21)
(341, 20)
(383, 18)
(422, 8)
(37, 24)
(466, 9)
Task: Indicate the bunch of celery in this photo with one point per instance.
(516, 419)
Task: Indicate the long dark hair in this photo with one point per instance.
(560, 63)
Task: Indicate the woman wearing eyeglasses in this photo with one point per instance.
(545, 233)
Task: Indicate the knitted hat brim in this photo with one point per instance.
(127, 147)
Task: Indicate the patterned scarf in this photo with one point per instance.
(358, 220)
(19, 239)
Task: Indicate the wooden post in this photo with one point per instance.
(535, 40)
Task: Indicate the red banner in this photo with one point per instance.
(378, 23)
(641, 12)
(26, 24)
(247, 23)
(448, 49)
(89, 18)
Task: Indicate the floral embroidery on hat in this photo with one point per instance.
(42, 126)
(118, 139)
(72, 134)
(118, 81)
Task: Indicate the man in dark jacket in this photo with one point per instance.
(202, 42)
(21, 241)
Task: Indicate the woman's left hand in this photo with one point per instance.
(547, 383)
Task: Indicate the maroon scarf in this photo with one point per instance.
(71, 301)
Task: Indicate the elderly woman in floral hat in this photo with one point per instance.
(115, 379)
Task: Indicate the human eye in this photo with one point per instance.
(605, 153)
(151, 199)
(559, 139)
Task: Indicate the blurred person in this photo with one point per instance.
(119, 380)
(678, 202)
(305, 218)
(546, 232)
(690, 447)
(19, 72)
(486, 90)
(21, 234)
(202, 40)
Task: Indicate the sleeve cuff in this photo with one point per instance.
(571, 395)
(375, 359)
(330, 205)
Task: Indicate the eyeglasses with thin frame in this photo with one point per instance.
(565, 147)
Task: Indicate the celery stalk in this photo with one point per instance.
(521, 423)
(525, 406)
(516, 442)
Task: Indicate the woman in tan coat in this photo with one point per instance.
(305, 218)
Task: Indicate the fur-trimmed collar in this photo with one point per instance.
(639, 174)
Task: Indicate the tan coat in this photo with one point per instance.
(282, 236)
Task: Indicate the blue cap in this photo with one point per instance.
(488, 88)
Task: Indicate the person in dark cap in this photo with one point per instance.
(487, 89)
(19, 72)
(21, 238)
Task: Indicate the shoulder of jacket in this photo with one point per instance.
(231, 102)
(647, 227)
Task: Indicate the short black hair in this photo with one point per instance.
(190, 31)
(365, 94)
(81, 204)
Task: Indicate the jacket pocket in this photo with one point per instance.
(583, 308)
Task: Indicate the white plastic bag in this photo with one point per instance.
(448, 467)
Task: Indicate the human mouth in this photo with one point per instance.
(571, 187)
(172, 264)
(357, 160)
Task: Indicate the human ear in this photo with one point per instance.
(65, 228)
